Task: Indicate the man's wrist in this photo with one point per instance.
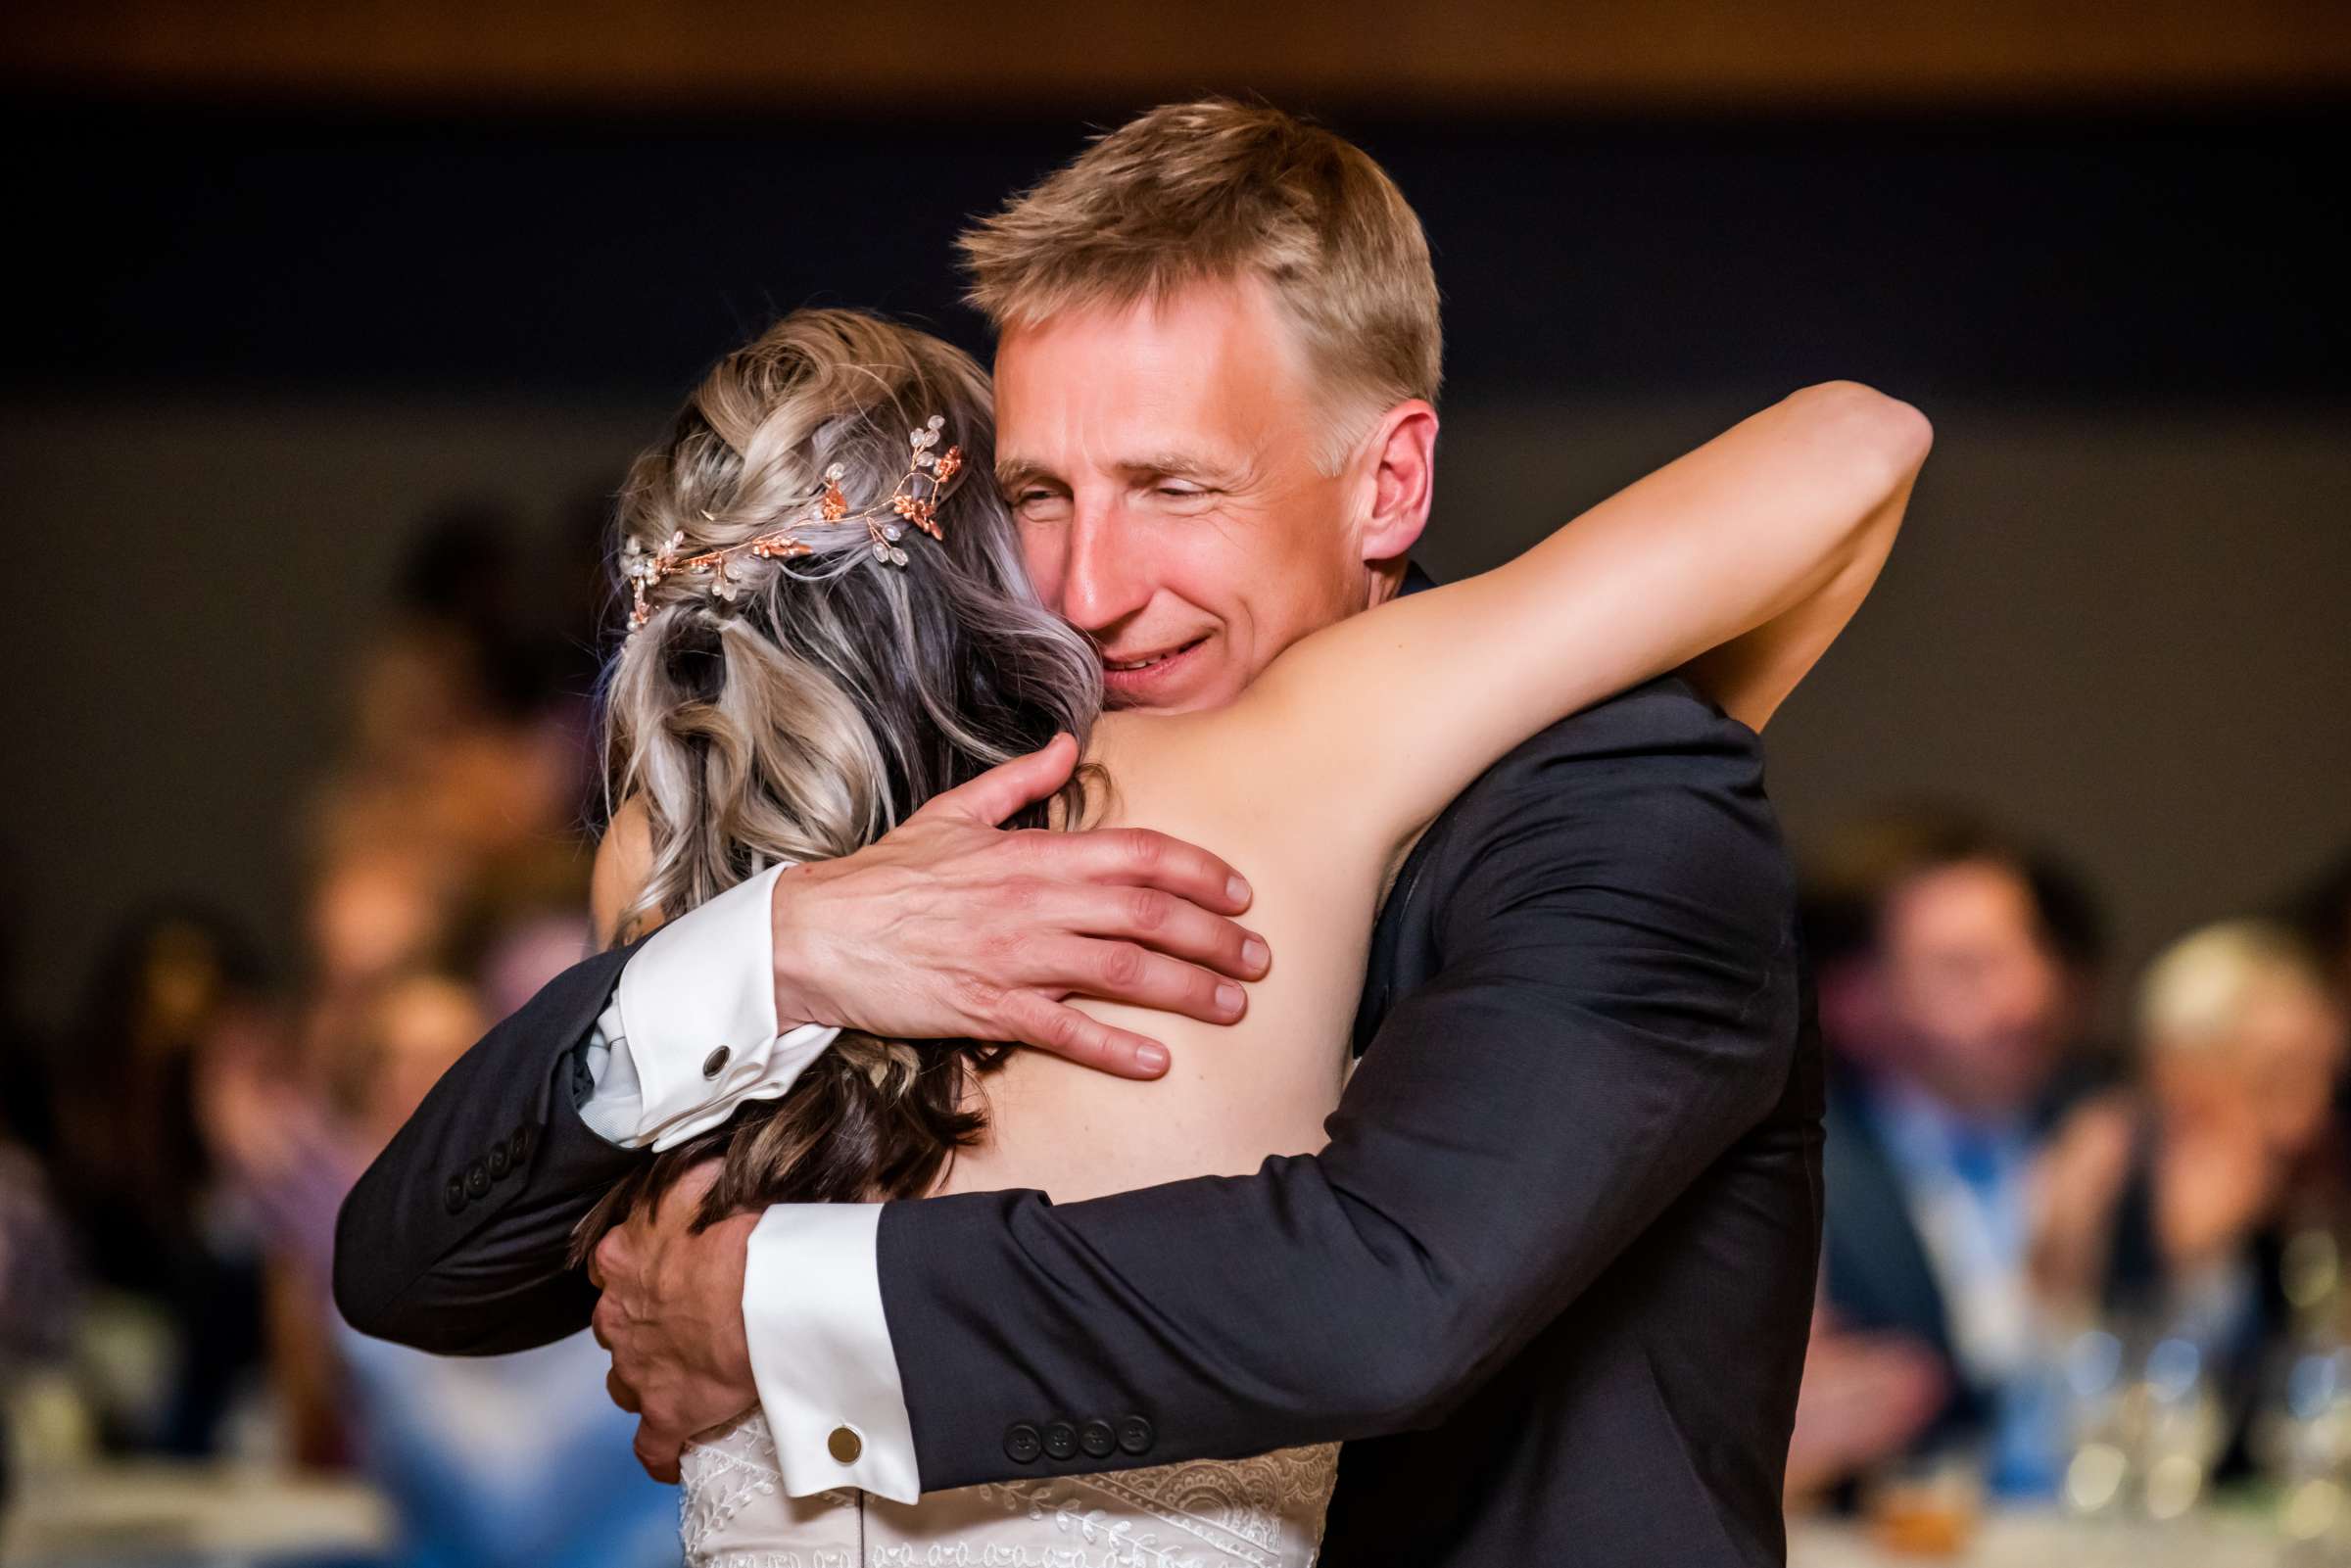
(727, 1244)
(796, 963)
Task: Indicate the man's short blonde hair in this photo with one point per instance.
(1215, 191)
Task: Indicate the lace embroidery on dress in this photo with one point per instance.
(721, 1480)
(1219, 1511)
(1263, 1512)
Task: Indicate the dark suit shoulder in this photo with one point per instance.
(1652, 768)
(1663, 716)
(1648, 806)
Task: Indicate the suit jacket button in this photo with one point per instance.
(1136, 1435)
(518, 1147)
(1097, 1439)
(452, 1196)
(498, 1162)
(1060, 1440)
(1022, 1444)
(477, 1179)
(716, 1063)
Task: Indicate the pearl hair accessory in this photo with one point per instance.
(644, 569)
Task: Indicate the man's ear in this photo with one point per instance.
(1402, 455)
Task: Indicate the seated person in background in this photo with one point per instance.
(2166, 1208)
(1949, 1008)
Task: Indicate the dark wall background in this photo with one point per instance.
(2126, 255)
(250, 349)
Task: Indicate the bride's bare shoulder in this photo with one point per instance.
(624, 859)
(1140, 758)
(1219, 777)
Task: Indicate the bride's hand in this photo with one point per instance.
(951, 926)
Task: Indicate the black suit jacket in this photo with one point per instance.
(1551, 1279)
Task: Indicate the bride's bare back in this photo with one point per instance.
(1234, 1094)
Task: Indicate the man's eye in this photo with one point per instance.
(1039, 506)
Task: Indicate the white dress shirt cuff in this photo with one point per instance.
(690, 1032)
(821, 1355)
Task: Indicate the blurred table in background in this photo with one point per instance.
(2055, 1540)
(167, 1515)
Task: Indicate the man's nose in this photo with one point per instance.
(1103, 581)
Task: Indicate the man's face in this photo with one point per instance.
(1970, 986)
(1160, 462)
(2272, 1075)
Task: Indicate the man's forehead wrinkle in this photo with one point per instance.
(1175, 462)
(1016, 471)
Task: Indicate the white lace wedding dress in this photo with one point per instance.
(1265, 1512)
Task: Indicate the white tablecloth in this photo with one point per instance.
(2052, 1541)
(195, 1513)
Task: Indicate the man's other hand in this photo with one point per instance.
(951, 926)
(671, 1314)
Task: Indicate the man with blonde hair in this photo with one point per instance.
(1550, 1280)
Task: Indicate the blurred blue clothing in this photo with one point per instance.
(1965, 1181)
(507, 1462)
(1926, 1234)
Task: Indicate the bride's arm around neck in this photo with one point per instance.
(1740, 560)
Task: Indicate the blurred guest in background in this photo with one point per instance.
(2165, 1209)
(176, 1260)
(204, 1125)
(1956, 971)
(447, 882)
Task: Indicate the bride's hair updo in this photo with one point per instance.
(803, 705)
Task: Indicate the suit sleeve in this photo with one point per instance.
(455, 1239)
(1614, 1007)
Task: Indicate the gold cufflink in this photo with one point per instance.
(845, 1446)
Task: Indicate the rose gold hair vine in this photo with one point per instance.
(645, 568)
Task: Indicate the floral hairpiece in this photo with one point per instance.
(827, 506)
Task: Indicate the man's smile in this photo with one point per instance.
(1132, 675)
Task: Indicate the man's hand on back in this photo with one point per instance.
(671, 1314)
(951, 926)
